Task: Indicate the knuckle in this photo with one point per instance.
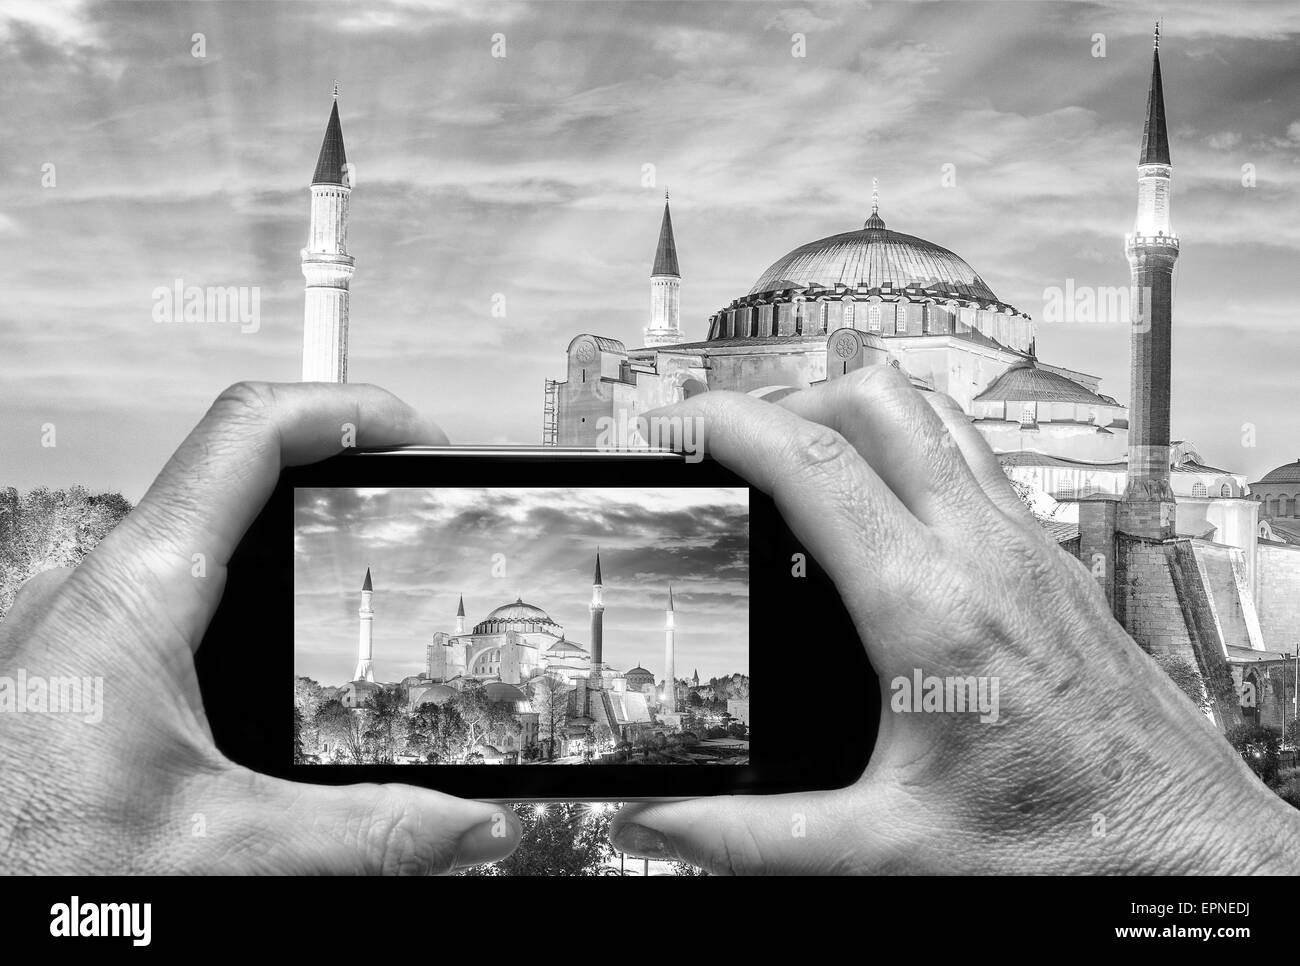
(736, 852)
(246, 399)
(398, 845)
(874, 385)
(822, 450)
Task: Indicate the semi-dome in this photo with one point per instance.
(870, 258)
(1286, 473)
(436, 694)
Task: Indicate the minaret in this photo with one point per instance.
(1152, 249)
(670, 657)
(597, 609)
(326, 263)
(665, 326)
(460, 616)
(365, 647)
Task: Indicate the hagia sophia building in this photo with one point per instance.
(518, 645)
(1199, 565)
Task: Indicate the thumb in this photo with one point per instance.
(246, 822)
(807, 833)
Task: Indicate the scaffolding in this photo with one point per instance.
(551, 414)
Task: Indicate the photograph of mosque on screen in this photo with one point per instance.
(521, 626)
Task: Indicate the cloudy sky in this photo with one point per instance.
(523, 176)
(426, 547)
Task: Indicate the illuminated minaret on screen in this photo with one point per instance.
(365, 644)
(597, 609)
(670, 655)
(1152, 250)
(326, 264)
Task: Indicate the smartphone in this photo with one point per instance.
(535, 624)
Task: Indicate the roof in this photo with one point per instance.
(1059, 531)
(500, 691)
(1029, 383)
(1248, 655)
(1155, 138)
(870, 257)
(1030, 457)
(566, 647)
(1286, 473)
(666, 250)
(367, 585)
(330, 166)
(519, 611)
(1285, 531)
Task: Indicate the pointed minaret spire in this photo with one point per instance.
(326, 263)
(597, 580)
(1155, 137)
(460, 615)
(666, 250)
(665, 326)
(670, 596)
(333, 159)
(367, 585)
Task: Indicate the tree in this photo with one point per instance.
(47, 528)
(551, 702)
(564, 839)
(437, 732)
(342, 730)
(297, 736)
(386, 724)
(1258, 747)
(602, 738)
(307, 699)
(485, 720)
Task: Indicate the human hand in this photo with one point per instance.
(1097, 763)
(145, 789)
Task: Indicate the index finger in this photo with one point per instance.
(216, 483)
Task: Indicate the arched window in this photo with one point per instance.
(1225, 490)
(1066, 489)
(1198, 489)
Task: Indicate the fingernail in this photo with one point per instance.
(488, 841)
(639, 840)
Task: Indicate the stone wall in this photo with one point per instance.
(1278, 578)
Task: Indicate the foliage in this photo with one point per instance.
(550, 701)
(558, 839)
(45, 529)
(1186, 677)
(1287, 785)
(1258, 747)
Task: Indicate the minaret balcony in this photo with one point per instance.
(1167, 242)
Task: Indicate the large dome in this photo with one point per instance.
(1286, 473)
(871, 257)
(519, 616)
(518, 611)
